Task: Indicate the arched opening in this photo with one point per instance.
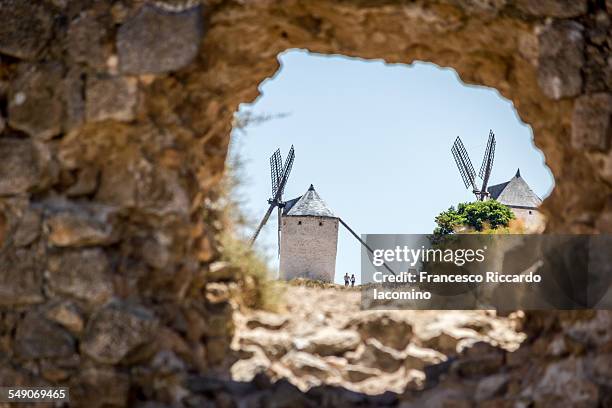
(375, 140)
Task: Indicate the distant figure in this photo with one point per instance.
(353, 280)
(346, 279)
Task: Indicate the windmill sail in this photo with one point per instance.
(487, 164)
(464, 164)
(281, 189)
(276, 170)
(279, 174)
(262, 222)
(287, 169)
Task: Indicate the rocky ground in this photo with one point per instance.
(320, 336)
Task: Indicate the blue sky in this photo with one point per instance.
(375, 141)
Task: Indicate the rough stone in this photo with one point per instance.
(445, 340)
(28, 229)
(247, 369)
(302, 363)
(480, 359)
(111, 98)
(416, 357)
(560, 59)
(25, 28)
(156, 41)
(553, 8)
(592, 122)
(565, 381)
(377, 355)
(274, 344)
(21, 274)
(116, 330)
(36, 337)
(99, 387)
(81, 227)
(74, 94)
(35, 101)
(84, 274)
(329, 342)
(356, 373)
(266, 320)
(18, 166)
(86, 43)
(130, 180)
(87, 182)
(66, 314)
(156, 252)
(388, 329)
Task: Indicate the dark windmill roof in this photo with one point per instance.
(515, 193)
(308, 205)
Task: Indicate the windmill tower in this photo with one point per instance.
(309, 239)
(468, 174)
(307, 228)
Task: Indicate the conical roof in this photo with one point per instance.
(308, 205)
(515, 193)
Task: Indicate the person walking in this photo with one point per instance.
(346, 279)
(353, 280)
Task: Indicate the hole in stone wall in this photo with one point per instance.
(374, 139)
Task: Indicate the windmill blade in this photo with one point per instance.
(262, 223)
(487, 160)
(286, 171)
(464, 164)
(275, 170)
(487, 165)
(366, 246)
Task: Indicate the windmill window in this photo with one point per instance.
(320, 223)
(529, 211)
(299, 222)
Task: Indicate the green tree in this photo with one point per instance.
(479, 215)
(447, 221)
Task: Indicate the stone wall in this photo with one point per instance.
(114, 125)
(308, 248)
